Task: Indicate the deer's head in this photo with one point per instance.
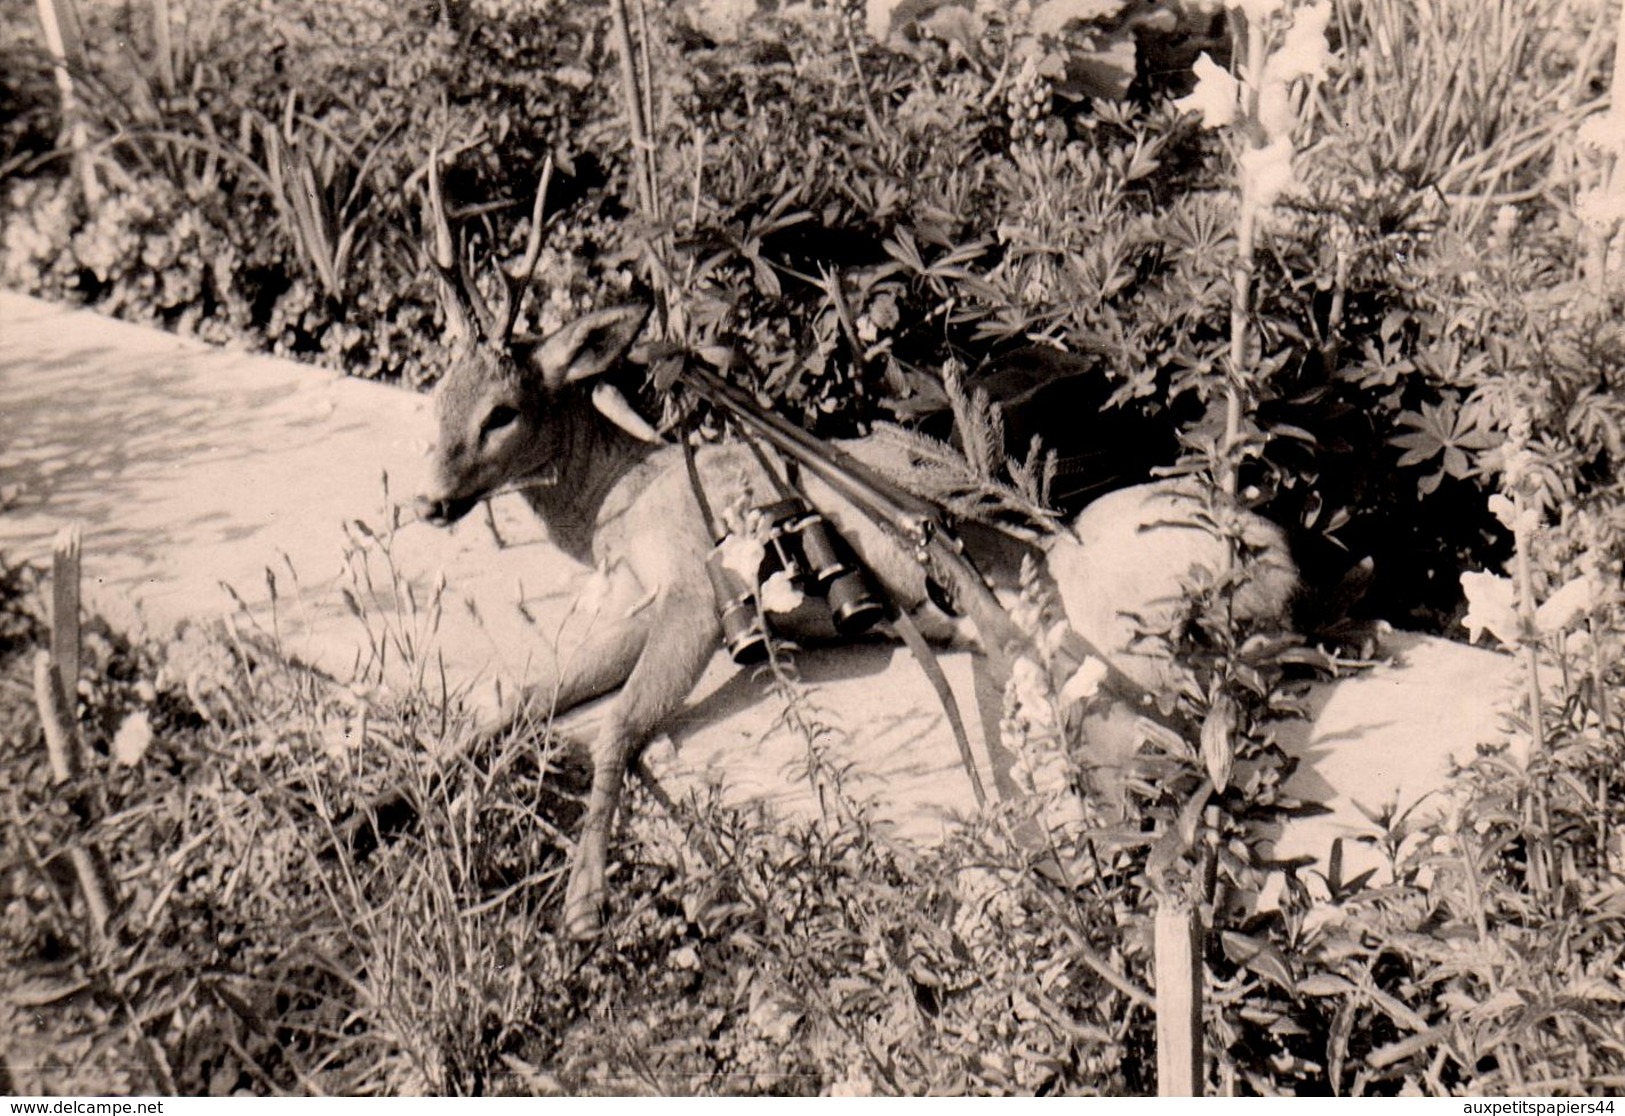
(504, 410)
(506, 406)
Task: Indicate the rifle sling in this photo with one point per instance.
(932, 666)
(693, 469)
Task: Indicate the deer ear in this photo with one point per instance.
(587, 346)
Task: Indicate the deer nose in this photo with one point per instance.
(442, 511)
(431, 510)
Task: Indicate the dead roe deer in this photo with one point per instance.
(520, 415)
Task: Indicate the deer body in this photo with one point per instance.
(525, 420)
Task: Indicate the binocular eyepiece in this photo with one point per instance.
(804, 545)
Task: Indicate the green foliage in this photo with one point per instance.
(869, 218)
(1473, 100)
(1466, 973)
(278, 140)
(146, 254)
(28, 105)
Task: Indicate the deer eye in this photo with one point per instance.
(497, 418)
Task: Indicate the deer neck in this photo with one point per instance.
(594, 457)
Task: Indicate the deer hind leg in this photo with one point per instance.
(682, 636)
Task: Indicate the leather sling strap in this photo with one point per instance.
(932, 668)
(699, 489)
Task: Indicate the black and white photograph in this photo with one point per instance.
(779, 548)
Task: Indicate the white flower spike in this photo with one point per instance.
(1258, 9)
(1304, 52)
(1489, 607)
(1266, 172)
(1216, 96)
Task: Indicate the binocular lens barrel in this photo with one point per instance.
(818, 548)
(803, 544)
(743, 633)
(853, 608)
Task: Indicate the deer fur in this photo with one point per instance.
(520, 416)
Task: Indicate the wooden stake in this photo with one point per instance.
(642, 151)
(1179, 1000)
(59, 19)
(56, 678)
(65, 610)
(61, 736)
(62, 746)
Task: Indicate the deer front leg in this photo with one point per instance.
(590, 663)
(591, 653)
(589, 668)
(682, 635)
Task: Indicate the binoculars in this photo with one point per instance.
(744, 632)
(806, 546)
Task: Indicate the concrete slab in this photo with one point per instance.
(191, 468)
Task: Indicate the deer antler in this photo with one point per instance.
(516, 286)
(465, 310)
(471, 316)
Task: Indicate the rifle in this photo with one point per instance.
(952, 578)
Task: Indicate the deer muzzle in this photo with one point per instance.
(443, 511)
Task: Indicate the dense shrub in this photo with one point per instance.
(876, 214)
